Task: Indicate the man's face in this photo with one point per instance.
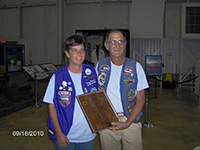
(116, 44)
(76, 55)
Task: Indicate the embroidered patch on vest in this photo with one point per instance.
(93, 89)
(104, 68)
(128, 70)
(129, 108)
(101, 88)
(64, 85)
(93, 81)
(129, 80)
(90, 77)
(69, 88)
(102, 78)
(88, 71)
(85, 91)
(131, 94)
(64, 98)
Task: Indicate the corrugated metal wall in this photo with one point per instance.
(171, 55)
(140, 47)
(178, 55)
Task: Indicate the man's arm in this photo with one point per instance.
(61, 138)
(140, 101)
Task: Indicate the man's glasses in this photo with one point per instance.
(114, 43)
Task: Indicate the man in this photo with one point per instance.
(67, 124)
(124, 81)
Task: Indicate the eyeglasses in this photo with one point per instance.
(114, 43)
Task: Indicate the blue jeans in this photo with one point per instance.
(76, 146)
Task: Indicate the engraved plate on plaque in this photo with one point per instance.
(98, 110)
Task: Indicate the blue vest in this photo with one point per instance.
(65, 94)
(128, 83)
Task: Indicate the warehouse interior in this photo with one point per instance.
(32, 34)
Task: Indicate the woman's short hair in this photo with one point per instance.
(74, 40)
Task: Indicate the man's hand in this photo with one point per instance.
(140, 101)
(119, 125)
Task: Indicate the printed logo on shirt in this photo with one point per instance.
(104, 68)
(64, 98)
(102, 78)
(131, 94)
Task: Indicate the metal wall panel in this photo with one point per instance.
(144, 46)
(193, 47)
(171, 55)
(178, 56)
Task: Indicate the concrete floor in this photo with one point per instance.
(174, 114)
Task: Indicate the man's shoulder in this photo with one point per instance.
(131, 61)
(103, 61)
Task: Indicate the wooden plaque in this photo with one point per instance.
(98, 110)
